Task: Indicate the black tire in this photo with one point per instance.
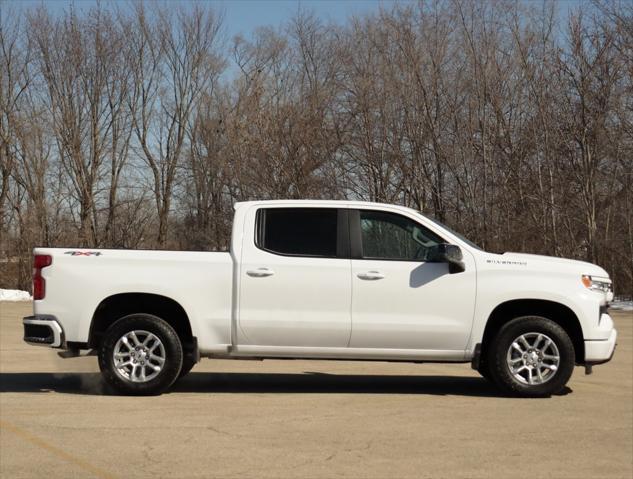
(484, 370)
(187, 366)
(172, 348)
(499, 370)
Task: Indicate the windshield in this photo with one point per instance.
(460, 236)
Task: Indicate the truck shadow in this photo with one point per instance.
(273, 383)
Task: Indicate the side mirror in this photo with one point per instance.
(448, 253)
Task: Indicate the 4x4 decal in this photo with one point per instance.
(83, 253)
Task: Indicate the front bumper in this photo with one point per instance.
(43, 330)
(598, 352)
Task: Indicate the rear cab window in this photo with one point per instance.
(311, 232)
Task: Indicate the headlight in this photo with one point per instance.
(596, 284)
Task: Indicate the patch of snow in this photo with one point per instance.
(14, 295)
(621, 305)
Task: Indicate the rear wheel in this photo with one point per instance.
(187, 366)
(140, 354)
(531, 356)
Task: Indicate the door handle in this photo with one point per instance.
(371, 275)
(260, 272)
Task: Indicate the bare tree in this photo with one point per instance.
(15, 56)
(77, 62)
(126, 128)
(177, 62)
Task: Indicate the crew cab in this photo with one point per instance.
(331, 280)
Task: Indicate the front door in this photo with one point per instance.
(400, 300)
(295, 287)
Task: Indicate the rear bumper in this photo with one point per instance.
(598, 352)
(43, 330)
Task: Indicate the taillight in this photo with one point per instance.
(39, 283)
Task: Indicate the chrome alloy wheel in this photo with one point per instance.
(533, 358)
(139, 356)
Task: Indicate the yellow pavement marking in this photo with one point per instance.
(55, 450)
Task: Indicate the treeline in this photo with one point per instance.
(140, 127)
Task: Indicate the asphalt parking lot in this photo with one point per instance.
(307, 419)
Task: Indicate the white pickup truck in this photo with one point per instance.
(331, 280)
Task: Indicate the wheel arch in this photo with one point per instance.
(118, 305)
(557, 312)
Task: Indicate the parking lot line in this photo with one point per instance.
(98, 472)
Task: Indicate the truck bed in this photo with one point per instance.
(81, 279)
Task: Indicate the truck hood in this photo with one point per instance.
(553, 264)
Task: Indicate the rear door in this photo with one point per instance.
(295, 287)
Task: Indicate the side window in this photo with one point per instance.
(392, 236)
(298, 231)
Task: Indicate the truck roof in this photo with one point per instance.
(329, 203)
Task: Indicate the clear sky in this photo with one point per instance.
(241, 16)
(244, 16)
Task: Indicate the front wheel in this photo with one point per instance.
(140, 354)
(531, 356)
